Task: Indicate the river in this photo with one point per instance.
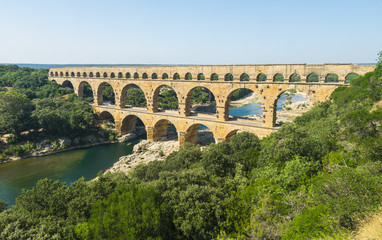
(72, 165)
(66, 166)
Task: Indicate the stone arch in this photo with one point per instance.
(91, 74)
(128, 75)
(295, 77)
(192, 134)
(61, 74)
(85, 91)
(206, 96)
(98, 74)
(201, 76)
(214, 77)
(105, 74)
(68, 84)
(331, 77)
(279, 103)
(133, 102)
(162, 129)
(133, 124)
(244, 77)
(256, 108)
(66, 74)
(312, 77)
(78, 74)
(145, 76)
(72, 74)
(351, 76)
(154, 76)
(228, 77)
(108, 95)
(56, 74)
(51, 74)
(188, 76)
(164, 76)
(136, 75)
(278, 77)
(112, 75)
(231, 134)
(176, 76)
(84, 74)
(120, 75)
(170, 96)
(106, 115)
(261, 77)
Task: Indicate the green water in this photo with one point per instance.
(67, 167)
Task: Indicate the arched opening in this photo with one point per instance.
(107, 92)
(295, 78)
(290, 104)
(128, 75)
(199, 134)
(78, 74)
(56, 74)
(331, 77)
(231, 134)
(106, 121)
(51, 74)
(105, 74)
(176, 76)
(133, 125)
(98, 74)
(214, 77)
(85, 91)
(84, 74)
(201, 76)
(312, 78)
(261, 77)
(228, 77)
(120, 75)
(154, 76)
(244, 77)
(165, 98)
(278, 78)
(164, 130)
(351, 77)
(112, 75)
(244, 104)
(201, 100)
(61, 74)
(72, 74)
(91, 74)
(188, 76)
(136, 75)
(133, 96)
(67, 84)
(164, 76)
(145, 76)
(54, 81)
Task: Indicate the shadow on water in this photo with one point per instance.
(66, 167)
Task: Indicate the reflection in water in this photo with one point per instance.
(67, 167)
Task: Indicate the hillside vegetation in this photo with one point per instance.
(315, 178)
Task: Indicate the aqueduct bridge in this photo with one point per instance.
(267, 81)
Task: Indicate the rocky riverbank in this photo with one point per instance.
(143, 153)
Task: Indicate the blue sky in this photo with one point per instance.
(190, 32)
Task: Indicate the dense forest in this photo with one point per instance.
(315, 178)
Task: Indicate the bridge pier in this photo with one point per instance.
(181, 137)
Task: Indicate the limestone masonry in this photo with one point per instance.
(221, 80)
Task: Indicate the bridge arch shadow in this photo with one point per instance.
(133, 124)
(164, 130)
(199, 134)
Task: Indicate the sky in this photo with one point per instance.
(190, 32)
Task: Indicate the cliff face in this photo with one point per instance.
(145, 152)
